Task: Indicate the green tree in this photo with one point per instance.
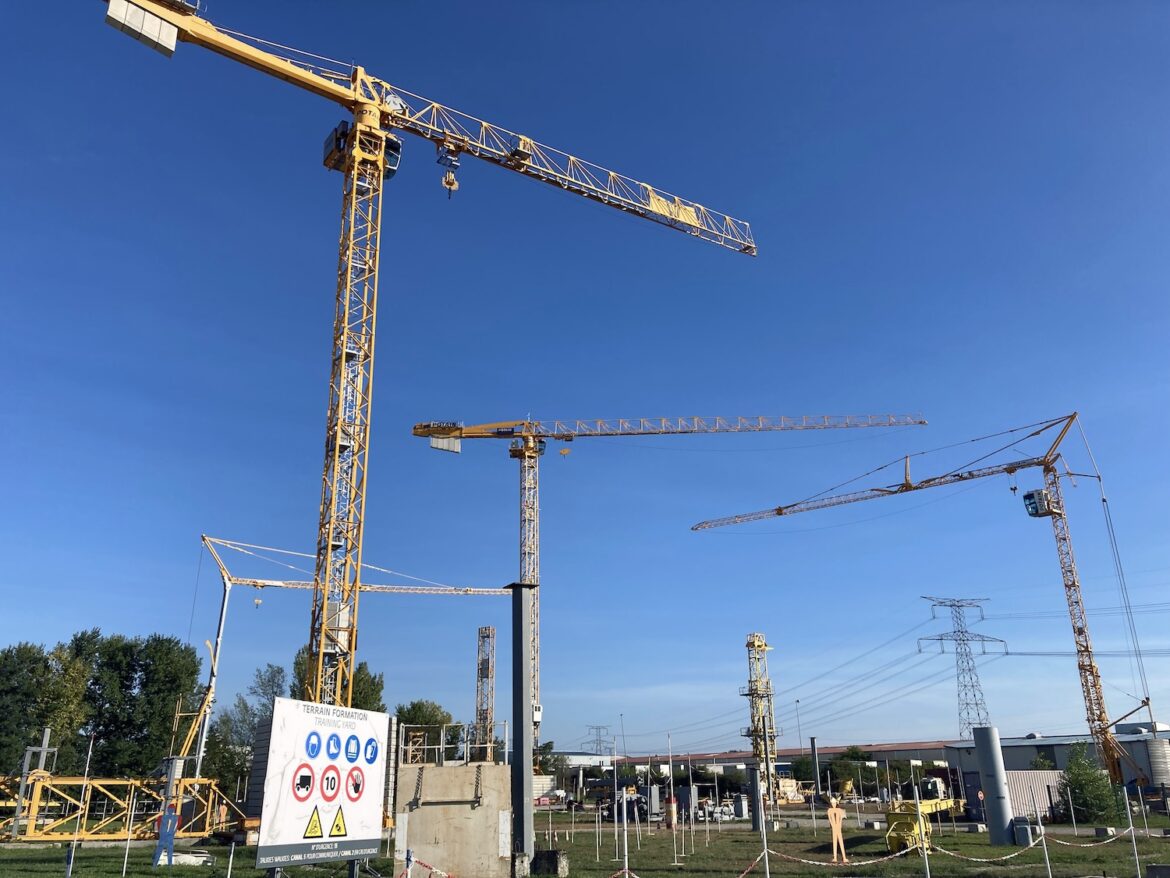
(548, 762)
(24, 673)
(134, 688)
(802, 768)
(367, 691)
(1042, 763)
(1093, 797)
(430, 716)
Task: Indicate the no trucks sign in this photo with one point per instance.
(323, 787)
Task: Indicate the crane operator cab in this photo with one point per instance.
(337, 144)
(1038, 504)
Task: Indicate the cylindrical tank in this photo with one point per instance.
(1159, 749)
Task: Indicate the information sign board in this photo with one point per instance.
(316, 753)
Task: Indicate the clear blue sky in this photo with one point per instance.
(961, 209)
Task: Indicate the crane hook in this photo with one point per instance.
(450, 183)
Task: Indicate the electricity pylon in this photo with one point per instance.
(972, 708)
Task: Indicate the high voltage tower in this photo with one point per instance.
(972, 708)
(485, 692)
(762, 730)
(600, 734)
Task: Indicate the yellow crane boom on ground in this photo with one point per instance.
(528, 439)
(1047, 502)
(368, 151)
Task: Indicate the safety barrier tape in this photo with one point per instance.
(987, 859)
(437, 873)
(751, 865)
(901, 853)
(1092, 844)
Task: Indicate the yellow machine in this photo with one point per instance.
(909, 822)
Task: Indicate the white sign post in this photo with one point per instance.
(323, 787)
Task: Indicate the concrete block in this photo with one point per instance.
(874, 824)
(551, 863)
(1105, 832)
(521, 868)
(1157, 870)
(977, 827)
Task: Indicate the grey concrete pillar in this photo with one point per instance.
(523, 826)
(757, 798)
(997, 804)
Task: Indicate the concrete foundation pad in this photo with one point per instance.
(1105, 832)
(551, 863)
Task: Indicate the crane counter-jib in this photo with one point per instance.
(161, 24)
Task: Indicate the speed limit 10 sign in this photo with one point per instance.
(316, 753)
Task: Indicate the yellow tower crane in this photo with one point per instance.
(367, 150)
(528, 439)
(1047, 502)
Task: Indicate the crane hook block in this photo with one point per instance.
(450, 183)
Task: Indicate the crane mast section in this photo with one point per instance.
(455, 133)
(1096, 714)
(874, 493)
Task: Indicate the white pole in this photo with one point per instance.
(616, 858)
(692, 801)
(922, 830)
(674, 822)
(637, 817)
(1132, 835)
(812, 809)
(597, 835)
(625, 835)
(718, 801)
(1142, 805)
(231, 857)
(1040, 828)
(1071, 810)
(764, 839)
(80, 811)
(129, 831)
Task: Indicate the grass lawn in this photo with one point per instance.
(727, 853)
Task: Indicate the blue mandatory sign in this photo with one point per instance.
(333, 746)
(353, 748)
(313, 744)
(371, 751)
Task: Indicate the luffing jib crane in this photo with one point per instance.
(1047, 502)
(367, 150)
(528, 439)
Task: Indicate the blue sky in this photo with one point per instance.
(961, 210)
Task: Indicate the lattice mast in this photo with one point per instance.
(485, 693)
(972, 707)
(762, 714)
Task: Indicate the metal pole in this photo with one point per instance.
(1040, 829)
(614, 807)
(597, 836)
(625, 834)
(674, 822)
(129, 830)
(799, 738)
(1142, 807)
(1137, 864)
(523, 830)
(812, 743)
(922, 830)
(80, 811)
(1071, 810)
(718, 801)
(812, 809)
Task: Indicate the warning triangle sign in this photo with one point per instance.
(338, 828)
(313, 830)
